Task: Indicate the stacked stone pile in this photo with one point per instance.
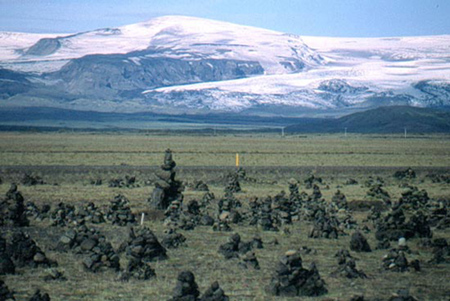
(347, 266)
(396, 261)
(291, 279)
(5, 293)
(128, 182)
(137, 269)
(63, 215)
(98, 253)
(359, 243)
(29, 180)
(6, 264)
(119, 212)
(407, 174)
(12, 209)
(186, 288)
(233, 184)
(172, 239)
(38, 296)
(167, 188)
(143, 244)
(214, 293)
(25, 252)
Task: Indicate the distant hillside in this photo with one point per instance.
(392, 119)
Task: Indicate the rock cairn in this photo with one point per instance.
(5, 293)
(233, 184)
(143, 244)
(62, 215)
(98, 253)
(396, 261)
(347, 266)
(402, 295)
(291, 279)
(38, 296)
(128, 182)
(266, 219)
(6, 264)
(90, 213)
(339, 200)
(29, 180)
(394, 225)
(137, 269)
(376, 192)
(249, 260)
(413, 198)
(12, 209)
(25, 252)
(311, 180)
(200, 186)
(119, 212)
(407, 174)
(214, 293)
(172, 239)
(186, 288)
(358, 243)
(167, 188)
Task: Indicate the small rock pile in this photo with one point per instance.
(143, 244)
(236, 246)
(200, 186)
(5, 293)
(439, 178)
(6, 264)
(376, 192)
(325, 227)
(167, 188)
(347, 266)
(62, 215)
(90, 213)
(396, 261)
(402, 295)
(38, 296)
(441, 250)
(233, 184)
(186, 288)
(128, 182)
(284, 209)
(12, 209)
(414, 198)
(249, 260)
(312, 180)
(394, 226)
(339, 200)
(407, 174)
(98, 252)
(291, 279)
(119, 212)
(172, 239)
(266, 219)
(25, 252)
(214, 293)
(359, 243)
(29, 180)
(137, 269)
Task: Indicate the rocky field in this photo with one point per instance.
(122, 217)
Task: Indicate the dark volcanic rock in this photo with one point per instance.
(167, 188)
(137, 269)
(186, 288)
(143, 244)
(214, 293)
(38, 296)
(12, 209)
(25, 252)
(119, 212)
(359, 243)
(5, 293)
(291, 279)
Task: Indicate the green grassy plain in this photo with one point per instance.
(332, 152)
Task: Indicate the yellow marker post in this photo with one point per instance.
(237, 160)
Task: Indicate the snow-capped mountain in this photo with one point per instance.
(184, 64)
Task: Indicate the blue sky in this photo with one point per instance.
(345, 18)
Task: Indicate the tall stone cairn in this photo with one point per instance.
(167, 189)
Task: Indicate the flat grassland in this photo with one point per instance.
(72, 160)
